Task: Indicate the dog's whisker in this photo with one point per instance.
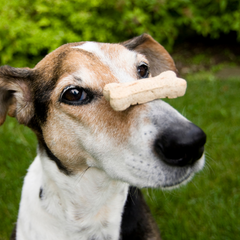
(153, 195)
(148, 194)
(133, 194)
(81, 175)
(207, 167)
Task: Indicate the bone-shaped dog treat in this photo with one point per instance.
(165, 85)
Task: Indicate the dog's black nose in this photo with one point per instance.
(181, 145)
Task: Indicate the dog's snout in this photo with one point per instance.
(181, 145)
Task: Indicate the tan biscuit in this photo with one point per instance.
(165, 85)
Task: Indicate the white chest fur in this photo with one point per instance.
(84, 206)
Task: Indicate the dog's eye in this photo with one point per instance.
(143, 70)
(75, 96)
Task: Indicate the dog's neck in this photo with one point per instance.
(87, 205)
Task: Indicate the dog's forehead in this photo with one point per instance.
(120, 61)
(109, 53)
(91, 57)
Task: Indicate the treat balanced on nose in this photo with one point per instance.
(165, 85)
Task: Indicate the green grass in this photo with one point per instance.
(206, 208)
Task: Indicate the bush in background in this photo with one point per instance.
(30, 29)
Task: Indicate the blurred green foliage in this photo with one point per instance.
(30, 29)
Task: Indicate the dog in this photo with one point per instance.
(91, 160)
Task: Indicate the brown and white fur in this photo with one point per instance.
(88, 155)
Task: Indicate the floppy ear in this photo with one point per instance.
(15, 94)
(159, 59)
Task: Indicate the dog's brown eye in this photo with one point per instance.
(75, 96)
(143, 71)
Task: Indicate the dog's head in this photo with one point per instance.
(61, 100)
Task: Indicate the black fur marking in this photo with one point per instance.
(133, 43)
(60, 166)
(45, 81)
(135, 222)
(14, 233)
(41, 193)
(42, 96)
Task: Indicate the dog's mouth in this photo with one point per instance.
(158, 174)
(182, 177)
(180, 182)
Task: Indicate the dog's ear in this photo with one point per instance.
(15, 94)
(159, 59)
